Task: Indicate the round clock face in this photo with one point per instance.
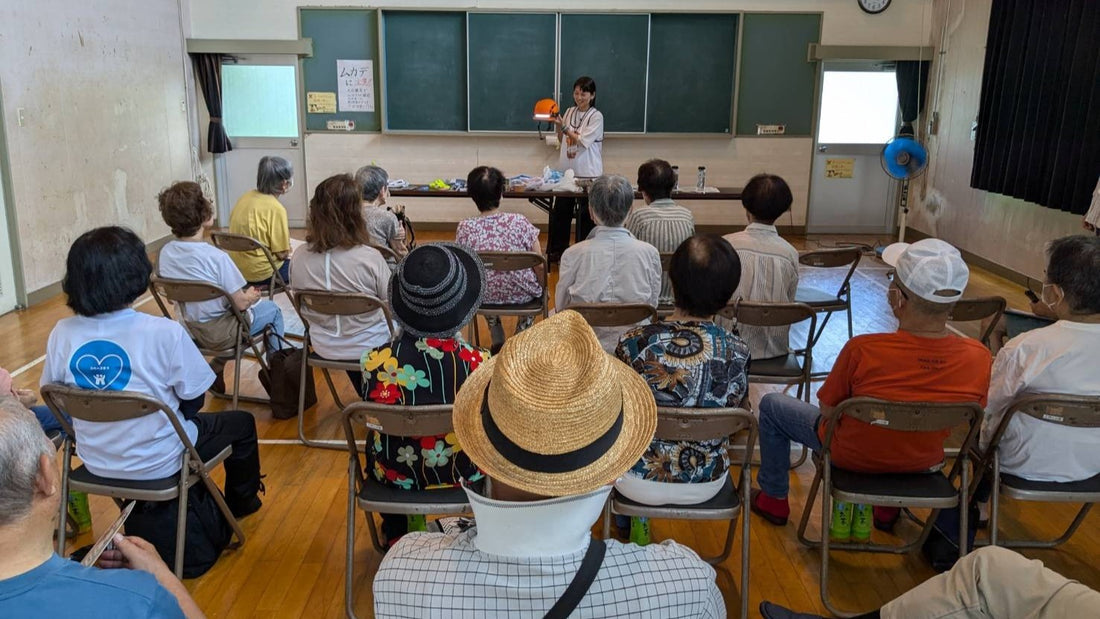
(874, 6)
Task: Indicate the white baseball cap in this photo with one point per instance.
(931, 269)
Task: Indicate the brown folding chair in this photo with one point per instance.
(969, 310)
(508, 261)
(112, 406)
(182, 291)
(826, 302)
(372, 497)
(665, 309)
(932, 489)
(614, 314)
(791, 369)
(696, 424)
(330, 304)
(1063, 410)
(387, 253)
(229, 242)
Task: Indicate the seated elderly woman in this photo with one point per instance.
(108, 346)
(688, 361)
(337, 258)
(383, 227)
(434, 292)
(493, 230)
(260, 215)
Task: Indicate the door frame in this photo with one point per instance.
(8, 197)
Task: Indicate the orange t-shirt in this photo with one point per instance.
(900, 367)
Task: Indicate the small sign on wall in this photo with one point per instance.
(321, 102)
(839, 168)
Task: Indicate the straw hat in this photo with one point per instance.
(553, 414)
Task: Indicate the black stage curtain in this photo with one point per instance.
(208, 72)
(1039, 116)
(912, 77)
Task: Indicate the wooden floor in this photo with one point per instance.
(292, 564)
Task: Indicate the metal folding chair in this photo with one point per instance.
(508, 261)
(111, 406)
(825, 302)
(330, 304)
(614, 314)
(924, 490)
(372, 497)
(387, 253)
(665, 309)
(1064, 410)
(694, 424)
(227, 241)
(968, 310)
(182, 291)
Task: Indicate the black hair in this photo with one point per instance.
(485, 185)
(1074, 264)
(586, 84)
(107, 269)
(656, 179)
(705, 272)
(766, 197)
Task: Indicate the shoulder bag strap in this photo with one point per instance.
(586, 574)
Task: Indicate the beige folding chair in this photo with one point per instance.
(696, 424)
(665, 309)
(227, 241)
(614, 314)
(930, 489)
(1063, 410)
(372, 497)
(793, 368)
(182, 291)
(387, 253)
(509, 261)
(969, 310)
(110, 406)
(331, 304)
(826, 302)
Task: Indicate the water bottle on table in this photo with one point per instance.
(701, 183)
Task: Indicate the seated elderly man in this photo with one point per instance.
(383, 227)
(660, 222)
(921, 362)
(1061, 358)
(611, 266)
(553, 421)
(35, 582)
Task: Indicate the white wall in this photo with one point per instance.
(100, 90)
(1004, 230)
(729, 161)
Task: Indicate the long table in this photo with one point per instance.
(545, 199)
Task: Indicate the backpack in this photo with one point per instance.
(208, 532)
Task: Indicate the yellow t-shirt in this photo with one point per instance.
(262, 217)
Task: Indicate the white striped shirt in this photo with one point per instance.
(769, 274)
(664, 225)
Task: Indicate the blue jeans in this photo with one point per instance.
(47, 420)
(268, 313)
(284, 271)
(783, 419)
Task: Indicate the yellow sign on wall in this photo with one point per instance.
(321, 102)
(839, 168)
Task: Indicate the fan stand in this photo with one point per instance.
(903, 209)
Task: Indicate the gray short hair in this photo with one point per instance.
(610, 197)
(271, 174)
(22, 444)
(371, 180)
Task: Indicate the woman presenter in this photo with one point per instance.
(580, 133)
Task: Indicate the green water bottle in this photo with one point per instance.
(80, 512)
(639, 531)
(416, 522)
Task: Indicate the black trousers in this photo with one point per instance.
(561, 217)
(356, 379)
(242, 467)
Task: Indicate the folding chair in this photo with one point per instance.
(969, 310)
(924, 490)
(694, 424)
(1063, 410)
(665, 309)
(372, 497)
(825, 302)
(110, 406)
(331, 304)
(614, 314)
(182, 291)
(387, 253)
(509, 261)
(227, 241)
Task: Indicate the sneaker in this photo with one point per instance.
(840, 527)
(861, 524)
(886, 517)
(775, 511)
(247, 509)
(639, 531)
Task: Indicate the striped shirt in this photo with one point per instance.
(664, 225)
(769, 274)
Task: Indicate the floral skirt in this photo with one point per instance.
(419, 462)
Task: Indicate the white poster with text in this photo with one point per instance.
(355, 85)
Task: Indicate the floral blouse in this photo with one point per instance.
(503, 232)
(687, 364)
(415, 371)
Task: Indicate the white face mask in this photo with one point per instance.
(1043, 296)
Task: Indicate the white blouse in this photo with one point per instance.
(588, 162)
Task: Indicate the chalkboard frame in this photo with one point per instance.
(380, 67)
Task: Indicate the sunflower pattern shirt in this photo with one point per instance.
(687, 364)
(414, 371)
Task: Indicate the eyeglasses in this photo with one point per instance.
(892, 275)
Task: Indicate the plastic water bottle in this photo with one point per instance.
(701, 183)
(676, 177)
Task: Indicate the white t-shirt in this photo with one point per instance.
(1062, 358)
(132, 351)
(588, 162)
(195, 260)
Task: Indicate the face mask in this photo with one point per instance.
(1043, 296)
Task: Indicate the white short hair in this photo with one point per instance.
(22, 444)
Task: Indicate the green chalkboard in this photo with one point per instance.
(611, 49)
(691, 68)
(511, 67)
(777, 81)
(425, 77)
(338, 34)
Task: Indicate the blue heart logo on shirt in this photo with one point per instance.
(100, 365)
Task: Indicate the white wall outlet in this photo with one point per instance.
(771, 129)
(19, 111)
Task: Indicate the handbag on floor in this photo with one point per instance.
(283, 384)
(208, 532)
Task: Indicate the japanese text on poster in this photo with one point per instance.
(355, 85)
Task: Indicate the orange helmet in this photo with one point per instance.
(545, 109)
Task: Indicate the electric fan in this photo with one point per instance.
(903, 158)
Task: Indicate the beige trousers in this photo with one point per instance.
(995, 582)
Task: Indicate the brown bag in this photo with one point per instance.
(282, 386)
(219, 334)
